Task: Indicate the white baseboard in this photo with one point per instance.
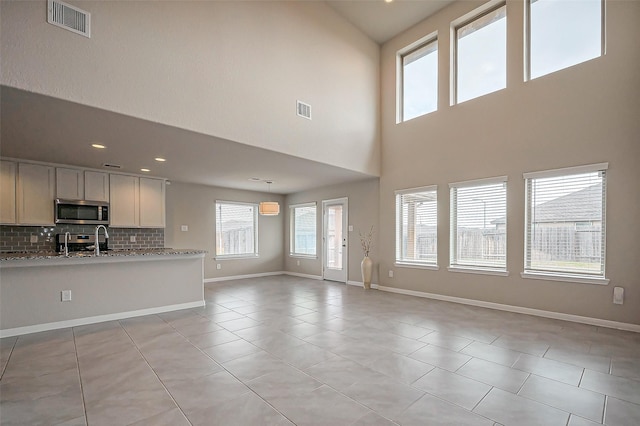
(242, 277)
(296, 274)
(518, 309)
(98, 318)
(361, 284)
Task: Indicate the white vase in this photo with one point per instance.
(367, 268)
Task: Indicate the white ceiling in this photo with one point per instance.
(41, 128)
(380, 20)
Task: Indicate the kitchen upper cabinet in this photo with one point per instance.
(124, 205)
(152, 208)
(69, 184)
(8, 192)
(35, 192)
(96, 186)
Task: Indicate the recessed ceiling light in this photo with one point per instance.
(162, 160)
(255, 179)
(388, 1)
(145, 170)
(97, 145)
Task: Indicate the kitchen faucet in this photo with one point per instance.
(106, 235)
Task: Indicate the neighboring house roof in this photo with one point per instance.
(579, 206)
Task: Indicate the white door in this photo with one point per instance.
(334, 240)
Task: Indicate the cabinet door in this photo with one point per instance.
(69, 184)
(96, 186)
(124, 207)
(7, 192)
(35, 194)
(152, 203)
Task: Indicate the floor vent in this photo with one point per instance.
(112, 166)
(304, 110)
(69, 17)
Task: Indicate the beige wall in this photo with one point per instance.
(194, 206)
(586, 114)
(229, 69)
(363, 213)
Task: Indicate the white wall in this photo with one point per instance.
(586, 114)
(194, 206)
(362, 214)
(229, 69)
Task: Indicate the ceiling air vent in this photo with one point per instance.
(112, 166)
(304, 110)
(69, 17)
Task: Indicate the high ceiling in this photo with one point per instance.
(42, 128)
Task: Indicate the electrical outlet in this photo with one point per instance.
(34, 239)
(65, 295)
(350, 228)
(184, 228)
(218, 266)
(618, 295)
(132, 239)
(390, 273)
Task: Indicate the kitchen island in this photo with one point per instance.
(113, 285)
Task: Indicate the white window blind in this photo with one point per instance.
(479, 224)
(236, 229)
(303, 229)
(417, 226)
(565, 221)
(420, 80)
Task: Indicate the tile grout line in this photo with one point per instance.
(154, 373)
(84, 403)
(6, 364)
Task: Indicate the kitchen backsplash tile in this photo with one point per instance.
(18, 238)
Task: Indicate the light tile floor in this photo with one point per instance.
(283, 350)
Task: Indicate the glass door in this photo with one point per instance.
(334, 252)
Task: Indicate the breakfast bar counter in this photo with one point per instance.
(35, 287)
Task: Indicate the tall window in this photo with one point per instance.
(236, 229)
(479, 225)
(481, 55)
(565, 222)
(420, 80)
(563, 33)
(303, 229)
(417, 226)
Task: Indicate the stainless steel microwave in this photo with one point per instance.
(81, 212)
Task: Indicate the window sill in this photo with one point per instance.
(497, 272)
(302, 256)
(417, 266)
(236, 256)
(582, 279)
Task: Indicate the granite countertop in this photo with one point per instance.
(37, 255)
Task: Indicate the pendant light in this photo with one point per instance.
(269, 208)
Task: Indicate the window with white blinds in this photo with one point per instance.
(236, 229)
(417, 226)
(565, 221)
(479, 225)
(303, 229)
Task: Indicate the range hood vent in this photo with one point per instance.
(303, 110)
(69, 17)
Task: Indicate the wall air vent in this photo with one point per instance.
(303, 110)
(112, 166)
(69, 17)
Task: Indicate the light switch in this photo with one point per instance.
(184, 228)
(350, 228)
(132, 239)
(66, 295)
(618, 295)
(34, 239)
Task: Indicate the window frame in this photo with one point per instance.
(462, 21)
(557, 275)
(256, 252)
(413, 47)
(399, 231)
(453, 234)
(527, 40)
(292, 236)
